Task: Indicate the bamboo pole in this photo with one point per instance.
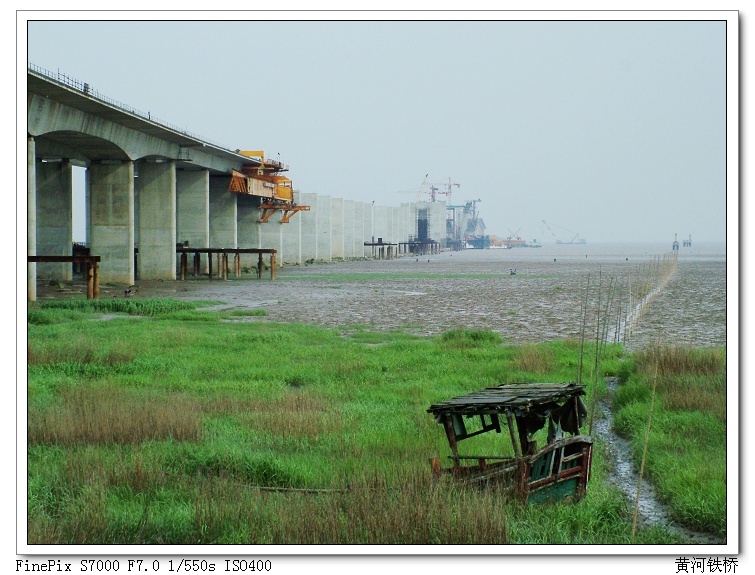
(597, 350)
(647, 438)
(606, 316)
(617, 333)
(582, 330)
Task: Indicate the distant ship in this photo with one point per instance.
(576, 240)
(515, 241)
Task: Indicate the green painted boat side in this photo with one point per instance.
(554, 492)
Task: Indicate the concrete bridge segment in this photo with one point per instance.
(150, 186)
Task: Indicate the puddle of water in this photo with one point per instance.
(109, 316)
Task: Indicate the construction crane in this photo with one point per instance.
(447, 192)
(418, 192)
(434, 189)
(514, 235)
(574, 239)
(462, 224)
(549, 229)
(263, 179)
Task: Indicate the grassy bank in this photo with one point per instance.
(687, 442)
(163, 423)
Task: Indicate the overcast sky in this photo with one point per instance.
(614, 130)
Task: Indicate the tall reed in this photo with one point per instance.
(97, 416)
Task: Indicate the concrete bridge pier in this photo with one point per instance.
(348, 228)
(248, 229)
(156, 190)
(407, 225)
(395, 224)
(323, 215)
(193, 210)
(54, 217)
(110, 225)
(368, 227)
(336, 228)
(31, 218)
(291, 235)
(308, 233)
(223, 216)
(381, 224)
(358, 235)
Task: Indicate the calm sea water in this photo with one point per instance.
(607, 251)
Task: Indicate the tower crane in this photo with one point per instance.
(418, 192)
(434, 190)
(447, 192)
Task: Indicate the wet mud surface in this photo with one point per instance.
(474, 289)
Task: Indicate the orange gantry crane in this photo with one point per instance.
(266, 182)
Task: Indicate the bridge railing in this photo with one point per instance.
(87, 89)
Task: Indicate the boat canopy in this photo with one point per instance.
(518, 399)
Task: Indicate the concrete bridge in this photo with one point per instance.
(150, 186)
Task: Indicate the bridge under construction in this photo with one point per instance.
(153, 189)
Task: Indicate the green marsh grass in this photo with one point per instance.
(169, 430)
(147, 306)
(248, 313)
(110, 415)
(687, 444)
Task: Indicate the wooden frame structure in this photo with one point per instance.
(382, 250)
(91, 269)
(419, 247)
(222, 256)
(561, 468)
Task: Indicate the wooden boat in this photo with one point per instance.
(559, 470)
